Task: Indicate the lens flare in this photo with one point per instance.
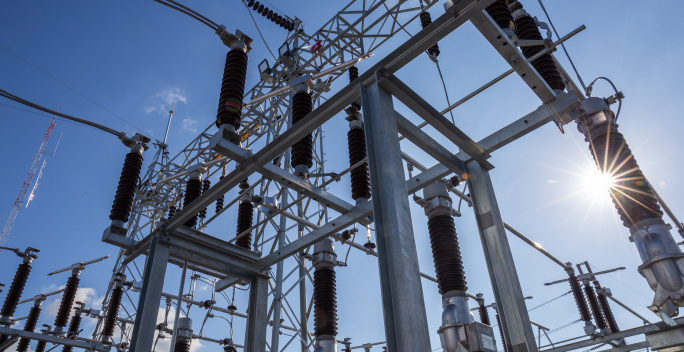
(597, 184)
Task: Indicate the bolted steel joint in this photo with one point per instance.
(355, 124)
(324, 254)
(184, 328)
(593, 112)
(325, 343)
(662, 265)
(436, 199)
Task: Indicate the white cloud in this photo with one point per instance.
(168, 97)
(189, 125)
(552, 181)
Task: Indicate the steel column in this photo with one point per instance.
(257, 315)
(515, 322)
(150, 297)
(406, 325)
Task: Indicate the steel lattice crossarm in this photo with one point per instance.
(361, 27)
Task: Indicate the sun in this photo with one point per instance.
(597, 184)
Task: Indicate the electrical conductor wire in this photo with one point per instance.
(72, 89)
(562, 45)
(258, 30)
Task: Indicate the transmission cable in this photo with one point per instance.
(258, 30)
(549, 301)
(562, 45)
(11, 96)
(68, 86)
(190, 13)
(439, 70)
(44, 115)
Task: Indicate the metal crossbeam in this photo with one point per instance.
(285, 178)
(433, 117)
(413, 47)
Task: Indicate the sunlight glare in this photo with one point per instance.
(597, 184)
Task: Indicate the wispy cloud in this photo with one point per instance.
(165, 99)
(189, 124)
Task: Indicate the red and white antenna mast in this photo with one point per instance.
(24, 188)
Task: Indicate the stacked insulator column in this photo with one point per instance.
(67, 301)
(113, 308)
(219, 201)
(503, 341)
(206, 184)
(526, 29)
(602, 294)
(580, 300)
(356, 139)
(269, 14)
(595, 309)
(301, 158)
(172, 211)
(15, 290)
(183, 335)
(446, 254)
(73, 326)
(325, 296)
(245, 217)
(232, 88)
(425, 21)
(30, 325)
(501, 14)
(193, 189)
(482, 309)
(123, 199)
(636, 204)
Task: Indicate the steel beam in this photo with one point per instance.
(544, 114)
(257, 318)
(405, 53)
(524, 125)
(88, 346)
(405, 319)
(497, 140)
(613, 337)
(203, 253)
(343, 221)
(150, 297)
(287, 179)
(502, 273)
(429, 145)
(500, 41)
(433, 117)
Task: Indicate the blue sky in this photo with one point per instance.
(137, 57)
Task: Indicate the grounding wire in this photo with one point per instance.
(617, 93)
(445, 91)
(579, 77)
(187, 13)
(10, 96)
(460, 199)
(612, 277)
(258, 30)
(72, 89)
(549, 301)
(439, 70)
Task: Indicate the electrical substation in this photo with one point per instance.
(262, 166)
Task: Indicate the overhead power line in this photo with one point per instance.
(11, 96)
(71, 88)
